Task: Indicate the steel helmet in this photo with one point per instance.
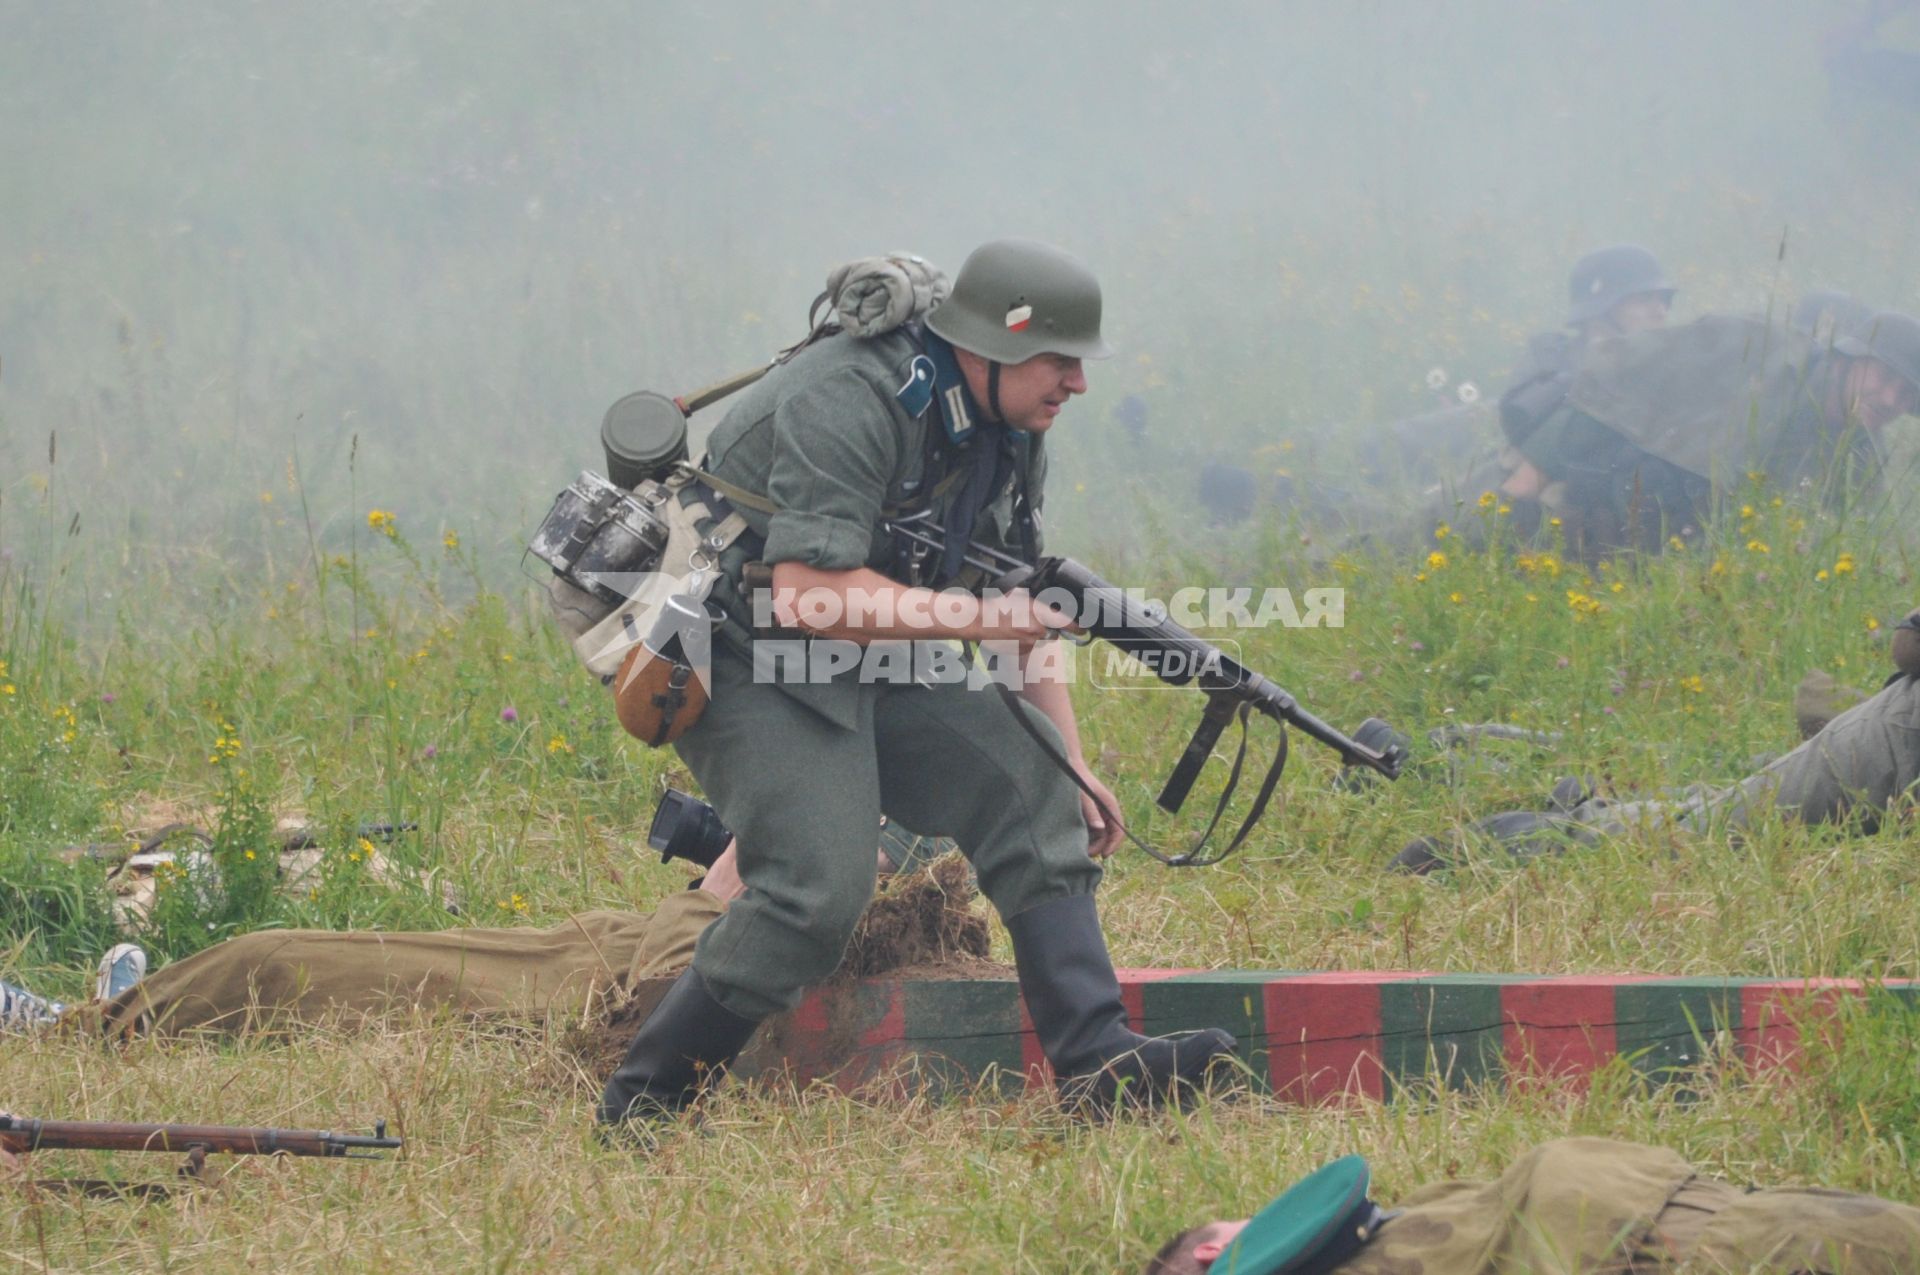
(1607, 276)
(1015, 298)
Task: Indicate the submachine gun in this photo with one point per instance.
(1176, 656)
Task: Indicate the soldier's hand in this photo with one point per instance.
(1103, 834)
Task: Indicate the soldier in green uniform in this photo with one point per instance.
(948, 421)
(1613, 291)
(1575, 1204)
(1654, 424)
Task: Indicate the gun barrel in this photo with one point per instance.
(20, 1134)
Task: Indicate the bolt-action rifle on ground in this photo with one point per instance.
(20, 1135)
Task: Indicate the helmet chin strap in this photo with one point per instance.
(993, 391)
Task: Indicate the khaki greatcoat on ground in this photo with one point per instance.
(275, 979)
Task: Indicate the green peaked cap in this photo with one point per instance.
(1312, 1226)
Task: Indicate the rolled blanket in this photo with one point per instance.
(875, 295)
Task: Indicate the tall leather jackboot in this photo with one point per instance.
(1073, 997)
(688, 1040)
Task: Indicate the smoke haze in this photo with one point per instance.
(239, 237)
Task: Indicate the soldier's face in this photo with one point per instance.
(1213, 1241)
(1031, 393)
(1639, 312)
(1876, 394)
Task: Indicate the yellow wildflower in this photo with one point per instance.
(1617, 587)
(382, 521)
(1583, 605)
(1486, 499)
(451, 540)
(1553, 522)
(1718, 568)
(1821, 574)
(1746, 511)
(1456, 598)
(1873, 625)
(1504, 510)
(1442, 531)
(559, 744)
(1694, 683)
(1758, 546)
(1436, 560)
(1676, 544)
(1843, 565)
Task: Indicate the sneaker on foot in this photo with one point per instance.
(124, 965)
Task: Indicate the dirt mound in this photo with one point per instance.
(920, 918)
(920, 924)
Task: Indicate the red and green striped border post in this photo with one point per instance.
(1321, 1037)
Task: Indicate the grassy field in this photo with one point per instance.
(398, 682)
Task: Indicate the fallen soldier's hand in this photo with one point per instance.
(1906, 644)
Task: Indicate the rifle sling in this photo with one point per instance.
(1192, 857)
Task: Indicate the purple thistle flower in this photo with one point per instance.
(508, 714)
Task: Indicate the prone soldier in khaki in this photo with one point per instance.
(1576, 1204)
(946, 421)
